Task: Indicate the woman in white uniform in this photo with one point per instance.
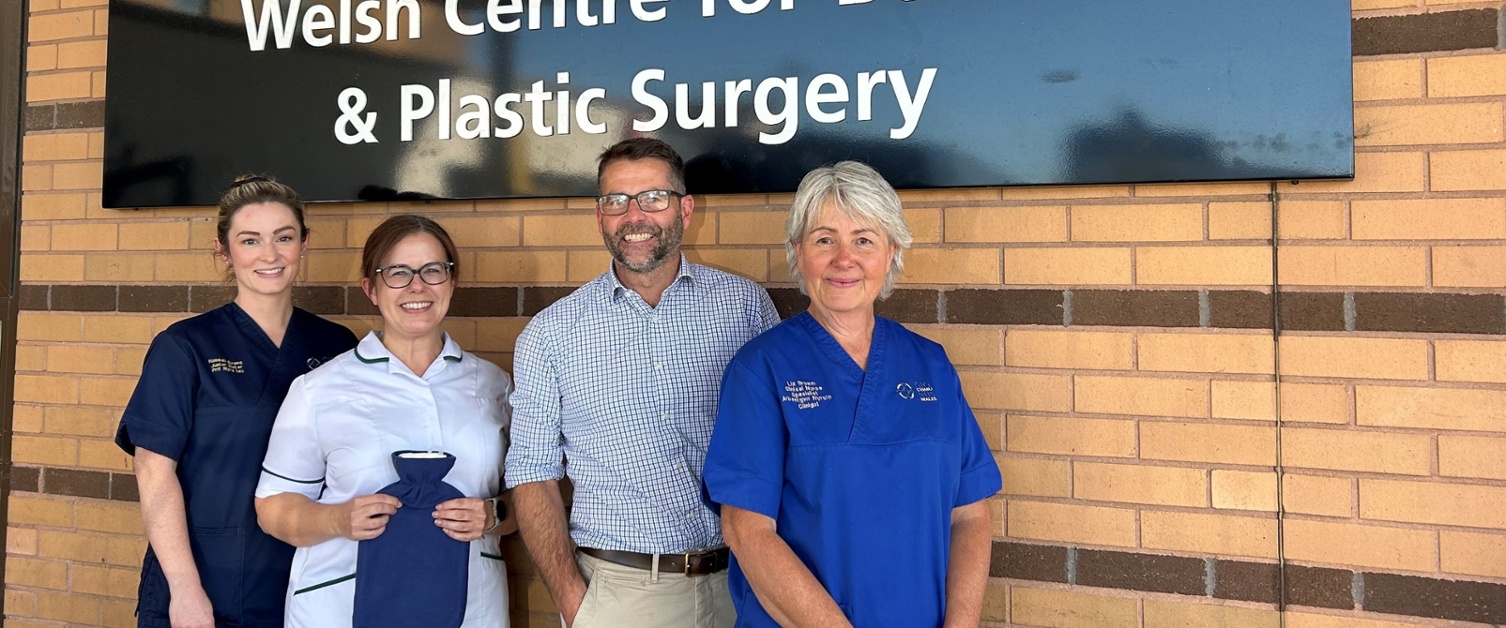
(409, 388)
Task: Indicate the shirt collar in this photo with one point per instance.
(372, 351)
(690, 273)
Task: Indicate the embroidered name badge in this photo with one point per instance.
(923, 390)
(805, 395)
(221, 365)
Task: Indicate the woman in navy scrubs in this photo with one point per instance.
(850, 470)
(202, 412)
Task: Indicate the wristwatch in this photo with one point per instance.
(499, 512)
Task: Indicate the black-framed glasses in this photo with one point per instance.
(648, 200)
(399, 276)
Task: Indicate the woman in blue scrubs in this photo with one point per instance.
(202, 412)
(849, 468)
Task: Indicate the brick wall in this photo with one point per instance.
(1169, 459)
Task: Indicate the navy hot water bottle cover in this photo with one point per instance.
(413, 574)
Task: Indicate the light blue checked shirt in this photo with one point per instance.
(627, 394)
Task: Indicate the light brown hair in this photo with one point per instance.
(393, 230)
(254, 189)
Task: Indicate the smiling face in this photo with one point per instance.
(642, 241)
(843, 263)
(263, 247)
(418, 309)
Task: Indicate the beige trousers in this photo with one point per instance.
(625, 597)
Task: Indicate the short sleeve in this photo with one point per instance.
(159, 416)
(536, 449)
(745, 461)
(980, 472)
(295, 460)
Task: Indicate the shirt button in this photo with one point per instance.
(693, 514)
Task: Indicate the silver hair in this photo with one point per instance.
(860, 193)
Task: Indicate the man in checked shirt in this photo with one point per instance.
(620, 379)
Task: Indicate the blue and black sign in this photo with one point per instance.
(415, 99)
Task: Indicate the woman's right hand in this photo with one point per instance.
(190, 609)
(365, 517)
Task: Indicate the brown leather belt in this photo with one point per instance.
(692, 564)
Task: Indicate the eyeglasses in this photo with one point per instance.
(648, 200)
(399, 276)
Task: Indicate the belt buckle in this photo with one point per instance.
(687, 566)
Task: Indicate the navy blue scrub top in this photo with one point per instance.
(209, 391)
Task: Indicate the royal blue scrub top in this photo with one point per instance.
(209, 391)
(859, 469)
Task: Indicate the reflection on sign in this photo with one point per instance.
(394, 99)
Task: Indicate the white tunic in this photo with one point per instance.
(333, 441)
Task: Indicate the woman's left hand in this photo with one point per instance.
(464, 519)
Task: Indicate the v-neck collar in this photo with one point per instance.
(837, 353)
(868, 378)
(252, 330)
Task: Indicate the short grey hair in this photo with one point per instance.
(860, 193)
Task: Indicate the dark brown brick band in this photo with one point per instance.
(1141, 572)
(1426, 32)
(1135, 308)
(1321, 587)
(1448, 313)
(1445, 313)
(1017, 307)
(1021, 561)
(1247, 582)
(1429, 597)
(75, 483)
(89, 114)
(1312, 311)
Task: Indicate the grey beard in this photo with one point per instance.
(669, 240)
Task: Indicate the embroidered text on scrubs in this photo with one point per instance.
(805, 395)
(221, 365)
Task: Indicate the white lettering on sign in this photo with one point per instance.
(747, 7)
(546, 111)
(776, 102)
(472, 116)
(511, 16)
(281, 25)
